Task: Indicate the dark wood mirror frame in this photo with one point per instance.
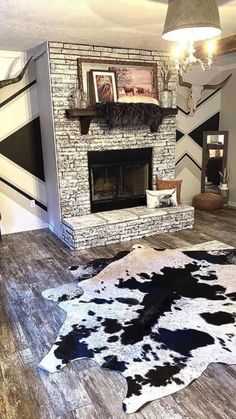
(204, 153)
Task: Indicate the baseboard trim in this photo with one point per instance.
(232, 204)
(55, 230)
(187, 202)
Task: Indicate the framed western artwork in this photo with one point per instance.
(134, 80)
(103, 87)
(115, 80)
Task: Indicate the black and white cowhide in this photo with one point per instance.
(158, 317)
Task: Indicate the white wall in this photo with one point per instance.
(16, 212)
(228, 123)
(47, 132)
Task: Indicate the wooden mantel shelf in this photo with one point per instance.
(86, 115)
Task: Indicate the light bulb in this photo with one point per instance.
(179, 50)
(211, 48)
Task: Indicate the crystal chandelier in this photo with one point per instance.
(188, 21)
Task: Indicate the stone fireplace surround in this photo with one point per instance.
(79, 228)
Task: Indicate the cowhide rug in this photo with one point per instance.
(158, 317)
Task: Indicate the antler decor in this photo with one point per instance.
(195, 91)
(217, 86)
(184, 83)
(4, 83)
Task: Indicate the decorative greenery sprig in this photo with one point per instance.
(167, 71)
(224, 176)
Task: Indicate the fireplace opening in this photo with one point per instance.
(119, 178)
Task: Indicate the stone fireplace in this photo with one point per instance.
(102, 176)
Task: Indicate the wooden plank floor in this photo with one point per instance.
(34, 261)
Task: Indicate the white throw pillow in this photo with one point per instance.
(138, 99)
(161, 199)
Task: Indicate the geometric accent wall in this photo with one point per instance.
(189, 142)
(23, 200)
(24, 147)
(211, 124)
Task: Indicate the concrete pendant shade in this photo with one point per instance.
(194, 20)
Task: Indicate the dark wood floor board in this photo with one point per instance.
(66, 390)
(8, 340)
(212, 225)
(221, 383)
(197, 404)
(23, 395)
(209, 395)
(165, 408)
(105, 392)
(86, 412)
(31, 262)
(162, 241)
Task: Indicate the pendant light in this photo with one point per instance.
(188, 21)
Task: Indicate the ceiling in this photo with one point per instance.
(126, 23)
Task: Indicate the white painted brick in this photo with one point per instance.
(144, 52)
(124, 231)
(78, 47)
(134, 51)
(55, 44)
(140, 57)
(139, 52)
(113, 55)
(103, 49)
(58, 57)
(55, 50)
(120, 50)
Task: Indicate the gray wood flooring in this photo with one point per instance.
(34, 261)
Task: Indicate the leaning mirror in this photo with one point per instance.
(214, 159)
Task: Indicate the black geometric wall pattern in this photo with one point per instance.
(211, 124)
(179, 135)
(186, 155)
(17, 93)
(24, 147)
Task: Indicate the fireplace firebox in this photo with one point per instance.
(119, 178)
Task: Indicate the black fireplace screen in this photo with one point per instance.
(119, 179)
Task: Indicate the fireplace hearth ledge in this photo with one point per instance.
(107, 227)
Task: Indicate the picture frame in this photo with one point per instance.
(84, 65)
(134, 81)
(103, 86)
